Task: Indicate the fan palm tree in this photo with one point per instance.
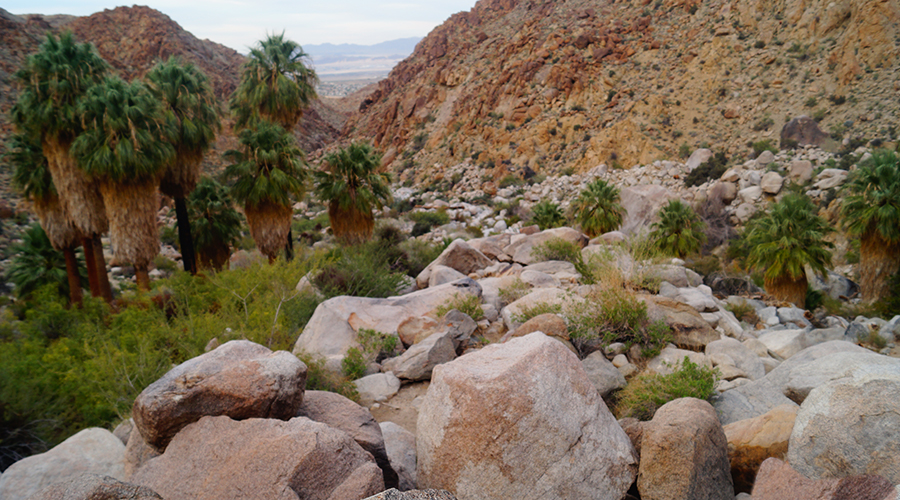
(597, 209)
(547, 214)
(37, 263)
(52, 81)
(190, 104)
(871, 211)
(125, 148)
(265, 172)
(215, 224)
(679, 231)
(31, 177)
(352, 186)
(785, 240)
(276, 84)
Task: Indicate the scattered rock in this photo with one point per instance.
(376, 388)
(459, 256)
(94, 487)
(393, 494)
(777, 480)
(420, 359)
(771, 183)
(744, 359)
(753, 440)
(550, 324)
(401, 450)
(804, 131)
(601, 372)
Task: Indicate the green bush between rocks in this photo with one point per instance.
(646, 393)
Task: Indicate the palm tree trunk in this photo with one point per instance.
(289, 246)
(87, 243)
(73, 275)
(878, 261)
(142, 276)
(188, 255)
(788, 289)
(100, 263)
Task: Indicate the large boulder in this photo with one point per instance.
(539, 297)
(377, 387)
(343, 414)
(217, 458)
(605, 377)
(777, 480)
(744, 359)
(804, 131)
(800, 383)
(401, 450)
(689, 329)
(521, 248)
(239, 379)
(848, 426)
(94, 487)
(684, 454)
(91, 451)
(333, 327)
(752, 441)
(641, 204)
(394, 494)
(491, 426)
(459, 256)
(420, 359)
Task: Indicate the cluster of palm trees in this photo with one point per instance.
(92, 152)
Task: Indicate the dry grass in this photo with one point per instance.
(269, 225)
(133, 228)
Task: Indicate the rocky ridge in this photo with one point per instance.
(549, 86)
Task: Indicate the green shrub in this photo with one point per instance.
(811, 102)
(366, 270)
(353, 366)
(431, 219)
(511, 180)
(515, 291)
(560, 249)
(744, 312)
(679, 231)
(419, 254)
(614, 315)
(536, 310)
(464, 303)
(320, 379)
(379, 345)
(547, 214)
(764, 145)
(646, 393)
(705, 266)
(712, 169)
(684, 151)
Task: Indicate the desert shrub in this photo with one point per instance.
(614, 315)
(353, 366)
(743, 312)
(377, 345)
(684, 151)
(764, 145)
(526, 313)
(763, 124)
(515, 291)
(511, 180)
(420, 254)
(646, 393)
(320, 379)
(710, 170)
(363, 270)
(560, 249)
(464, 303)
(430, 219)
(705, 266)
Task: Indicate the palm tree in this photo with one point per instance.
(597, 208)
(265, 172)
(190, 103)
(52, 81)
(352, 186)
(679, 231)
(215, 223)
(124, 148)
(871, 211)
(31, 177)
(547, 214)
(37, 263)
(276, 84)
(785, 240)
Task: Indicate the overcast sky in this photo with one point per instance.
(239, 24)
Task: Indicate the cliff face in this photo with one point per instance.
(132, 40)
(556, 84)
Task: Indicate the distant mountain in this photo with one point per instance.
(403, 46)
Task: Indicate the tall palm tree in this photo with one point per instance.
(352, 186)
(215, 223)
(679, 231)
(871, 211)
(125, 148)
(597, 208)
(190, 103)
(52, 81)
(276, 84)
(787, 238)
(37, 263)
(265, 172)
(31, 177)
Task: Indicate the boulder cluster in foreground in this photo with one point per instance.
(801, 411)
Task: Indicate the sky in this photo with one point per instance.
(239, 24)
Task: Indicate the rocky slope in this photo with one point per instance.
(552, 85)
(132, 40)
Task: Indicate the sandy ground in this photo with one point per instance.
(402, 409)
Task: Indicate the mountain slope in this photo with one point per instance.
(552, 85)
